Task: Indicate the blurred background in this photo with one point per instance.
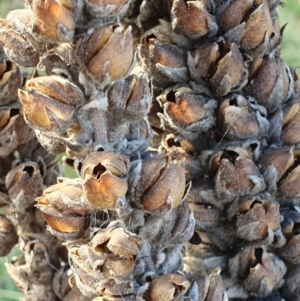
(289, 13)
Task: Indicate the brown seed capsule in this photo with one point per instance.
(49, 102)
(168, 287)
(270, 82)
(160, 185)
(107, 8)
(189, 113)
(24, 179)
(221, 65)
(165, 62)
(257, 220)
(242, 118)
(104, 179)
(291, 124)
(210, 287)
(53, 20)
(119, 248)
(236, 174)
(10, 81)
(62, 207)
(8, 236)
(16, 47)
(99, 55)
(193, 19)
(129, 99)
(13, 131)
(262, 272)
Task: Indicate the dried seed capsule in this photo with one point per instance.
(62, 207)
(270, 82)
(236, 174)
(193, 19)
(168, 287)
(99, 56)
(120, 248)
(262, 272)
(224, 71)
(8, 236)
(104, 179)
(158, 184)
(290, 289)
(27, 180)
(13, 131)
(10, 81)
(258, 220)
(53, 20)
(129, 99)
(210, 287)
(189, 113)
(165, 61)
(107, 8)
(291, 124)
(49, 102)
(16, 47)
(242, 118)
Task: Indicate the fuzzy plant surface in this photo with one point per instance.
(181, 122)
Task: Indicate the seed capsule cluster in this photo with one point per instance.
(180, 119)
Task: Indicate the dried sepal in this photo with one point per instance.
(291, 124)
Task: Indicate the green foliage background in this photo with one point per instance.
(289, 13)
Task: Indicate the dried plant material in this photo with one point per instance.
(168, 287)
(236, 174)
(243, 118)
(165, 61)
(270, 82)
(13, 131)
(8, 236)
(291, 286)
(158, 183)
(262, 272)
(16, 47)
(53, 20)
(189, 113)
(62, 207)
(221, 65)
(104, 179)
(291, 124)
(98, 52)
(193, 19)
(10, 81)
(107, 8)
(257, 220)
(49, 102)
(209, 287)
